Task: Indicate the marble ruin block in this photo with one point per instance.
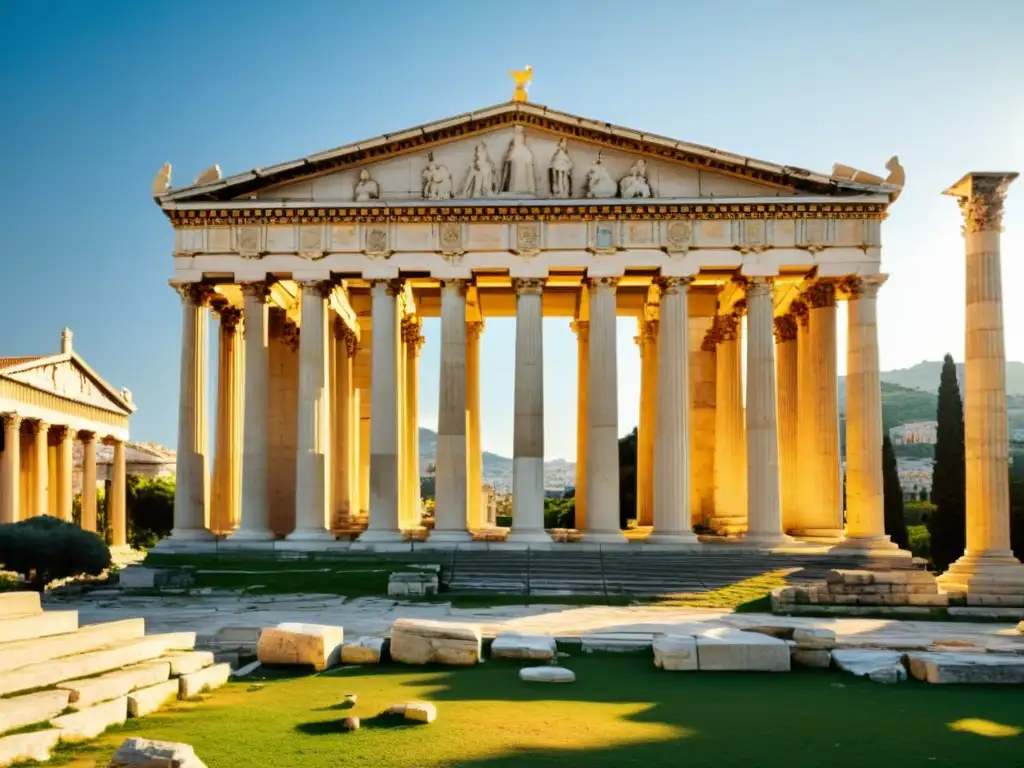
(317, 645)
(677, 653)
(732, 650)
(513, 645)
(365, 650)
(146, 753)
(547, 675)
(415, 641)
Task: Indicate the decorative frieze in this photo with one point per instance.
(377, 242)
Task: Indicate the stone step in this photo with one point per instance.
(112, 685)
(188, 662)
(19, 711)
(19, 604)
(91, 722)
(204, 680)
(47, 673)
(29, 627)
(145, 701)
(23, 747)
(91, 637)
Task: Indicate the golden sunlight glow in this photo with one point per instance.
(980, 727)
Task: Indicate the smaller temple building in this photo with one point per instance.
(49, 403)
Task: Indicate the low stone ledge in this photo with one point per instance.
(412, 584)
(14, 628)
(32, 708)
(88, 638)
(204, 680)
(19, 604)
(85, 693)
(365, 650)
(189, 661)
(675, 653)
(616, 642)
(945, 668)
(91, 722)
(547, 674)
(732, 650)
(416, 641)
(23, 747)
(878, 666)
(515, 645)
(315, 645)
(145, 701)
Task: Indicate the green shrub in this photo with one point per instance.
(150, 510)
(45, 548)
(917, 512)
(920, 541)
(560, 513)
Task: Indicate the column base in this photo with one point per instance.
(990, 573)
(672, 538)
(528, 536)
(874, 545)
(251, 534)
(449, 537)
(767, 540)
(603, 537)
(817, 533)
(383, 536)
(191, 534)
(310, 534)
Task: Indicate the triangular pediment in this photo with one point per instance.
(595, 157)
(69, 377)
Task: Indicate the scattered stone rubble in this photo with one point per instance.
(419, 582)
(852, 592)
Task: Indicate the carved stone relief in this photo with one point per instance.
(517, 176)
(560, 172)
(634, 184)
(528, 236)
(451, 236)
(249, 242)
(599, 182)
(604, 236)
(311, 242)
(366, 188)
(437, 180)
(678, 235)
(66, 380)
(377, 241)
(480, 181)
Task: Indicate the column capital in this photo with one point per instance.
(863, 287)
(758, 286)
(62, 431)
(411, 327)
(785, 328)
(580, 326)
(394, 285)
(197, 294)
(727, 328)
(821, 294)
(647, 333)
(981, 197)
(230, 317)
(12, 420)
(41, 426)
(454, 286)
(711, 338)
(528, 285)
(671, 285)
(87, 438)
(256, 289)
(473, 330)
(321, 288)
(603, 282)
(799, 310)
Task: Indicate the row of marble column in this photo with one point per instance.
(38, 497)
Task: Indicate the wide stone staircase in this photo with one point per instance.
(61, 682)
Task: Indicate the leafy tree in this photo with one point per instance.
(895, 524)
(560, 513)
(627, 477)
(150, 506)
(948, 524)
(46, 548)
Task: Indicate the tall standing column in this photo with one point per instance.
(988, 565)
(383, 524)
(404, 513)
(227, 462)
(865, 501)
(730, 439)
(603, 525)
(10, 471)
(65, 465)
(89, 481)
(803, 493)
(450, 510)
(414, 342)
(475, 480)
(41, 469)
(647, 340)
(528, 428)
(117, 514)
(764, 509)
(344, 341)
(255, 521)
(314, 419)
(786, 386)
(671, 452)
(823, 514)
(582, 329)
(192, 482)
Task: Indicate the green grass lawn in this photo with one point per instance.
(620, 712)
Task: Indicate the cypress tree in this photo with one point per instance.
(895, 524)
(948, 523)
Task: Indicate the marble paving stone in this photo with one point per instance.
(727, 650)
(616, 642)
(966, 668)
(879, 666)
(811, 657)
(513, 645)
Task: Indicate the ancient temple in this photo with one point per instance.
(320, 270)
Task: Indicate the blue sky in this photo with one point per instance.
(98, 95)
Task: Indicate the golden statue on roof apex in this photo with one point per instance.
(522, 78)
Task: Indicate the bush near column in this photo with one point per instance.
(46, 548)
(895, 523)
(150, 512)
(627, 478)
(1017, 517)
(948, 524)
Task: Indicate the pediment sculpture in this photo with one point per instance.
(560, 172)
(366, 188)
(599, 182)
(634, 183)
(480, 181)
(437, 180)
(517, 174)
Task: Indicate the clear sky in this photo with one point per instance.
(97, 95)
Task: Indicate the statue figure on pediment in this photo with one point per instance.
(480, 180)
(560, 172)
(634, 183)
(437, 180)
(366, 188)
(517, 172)
(599, 182)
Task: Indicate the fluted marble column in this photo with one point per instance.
(450, 511)
(786, 368)
(603, 417)
(345, 344)
(411, 440)
(803, 494)
(730, 433)
(383, 526)
(647, 340)
(823, 513)
(41, 469)
(528, 431)
(10, 472)
(988, 565)
(865, 501)
(312, 453)
(671, 451)
(89, 481)
(764, 509)
(191, 513)
(227, 462)
(116, 507)
(475, 472)
(582, 330)
(65, 465)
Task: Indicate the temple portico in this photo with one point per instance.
(322, 272)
